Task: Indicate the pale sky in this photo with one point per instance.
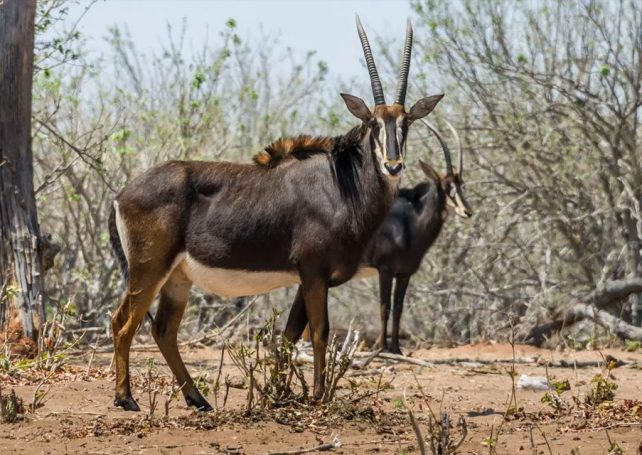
(327, 26)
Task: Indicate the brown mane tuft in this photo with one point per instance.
(284, 147)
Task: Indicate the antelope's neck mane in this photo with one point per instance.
(302, 146)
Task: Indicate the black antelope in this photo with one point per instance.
(409, 230)
(412, 226)
(302, 213)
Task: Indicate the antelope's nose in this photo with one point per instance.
(393, 168)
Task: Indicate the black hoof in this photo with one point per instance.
(127, 403)
(201, 404)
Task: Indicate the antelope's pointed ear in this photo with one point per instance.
(357, 107)
(423, 107)
(429, 171)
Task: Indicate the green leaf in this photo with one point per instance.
(121, 135)
(198, 80)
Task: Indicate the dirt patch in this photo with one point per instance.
(77, 416)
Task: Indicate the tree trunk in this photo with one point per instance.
(21, 289)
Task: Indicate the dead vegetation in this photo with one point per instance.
(440, 436)
(272, 376)
(11, 407)
(404, 406)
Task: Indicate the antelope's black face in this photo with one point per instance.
(388, 124)
(388, 129)
(453, 182)
(453, 186)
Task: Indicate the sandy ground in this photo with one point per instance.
(78, 415)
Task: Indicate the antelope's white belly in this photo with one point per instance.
(234, 283)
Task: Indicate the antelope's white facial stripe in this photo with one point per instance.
(381, 140)
(380, 150)
(456, 202)
(383, 137)
(401, 143)
(460, 208)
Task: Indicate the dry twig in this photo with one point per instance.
(335, 444)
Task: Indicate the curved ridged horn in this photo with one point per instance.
(449, 164)
(402, 83)
(377, 89)
(458, 143)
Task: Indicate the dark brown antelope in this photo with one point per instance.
(411, 227)
(302, 213)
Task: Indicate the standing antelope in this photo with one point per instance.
(302, 213)
(411, 227)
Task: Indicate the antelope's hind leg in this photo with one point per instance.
(136, 300)
(173, 300)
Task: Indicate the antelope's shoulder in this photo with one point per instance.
(298, 146)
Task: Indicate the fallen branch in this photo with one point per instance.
(600, 298)
(476, 363)
(335, 444)
(369, 372)
(303, 357)
(613, 291)
(398, 358)
(370, 358)
(579, 312)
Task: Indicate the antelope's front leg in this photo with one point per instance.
(315, 296)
